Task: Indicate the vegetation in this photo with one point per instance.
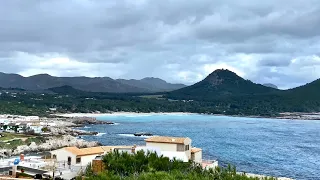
(12, 141)
(222, 92)
(150, 166)
(5, 136)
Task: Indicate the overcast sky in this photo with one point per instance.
(274, 41)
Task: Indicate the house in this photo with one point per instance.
(35, 128)
(175, 147)
(74, 156)
(83, 156)
(11, 127)
(196, 155)
(172, 147)
(22, 128)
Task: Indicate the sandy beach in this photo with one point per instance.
(120, 114)
(285, 116)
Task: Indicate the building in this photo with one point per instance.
(196, 155)
(172, 147)
(75, 156)
(36, 128)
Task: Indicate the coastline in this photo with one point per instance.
(283, 116)
(121, 114)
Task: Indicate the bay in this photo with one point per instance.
(286, 148)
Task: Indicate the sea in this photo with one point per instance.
(281, 148)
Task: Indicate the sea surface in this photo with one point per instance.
(285, 148)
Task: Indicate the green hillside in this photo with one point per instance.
(220, 84)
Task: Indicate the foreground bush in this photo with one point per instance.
(150, 166)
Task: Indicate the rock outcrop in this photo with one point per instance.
(50, 144)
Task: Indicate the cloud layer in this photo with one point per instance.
(180, 41)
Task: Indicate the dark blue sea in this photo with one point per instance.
(286, 148)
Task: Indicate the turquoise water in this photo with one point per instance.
(289, 148)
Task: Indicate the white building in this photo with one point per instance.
(37, 129)
(74, 156)
(83, 156)
(172, 147)
(175, 147)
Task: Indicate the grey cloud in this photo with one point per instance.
(168, 39)
(278, 60)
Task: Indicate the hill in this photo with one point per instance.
(152, 84)
(220, 84)
(95, 84)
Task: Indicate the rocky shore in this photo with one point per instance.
(300, 116)
(52, 143)
(68, 126)
(69, 131)
(87, 121)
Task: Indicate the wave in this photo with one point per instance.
(132, 135)
(114, 124)
(86, 127)
(137, 115)
(100, 134)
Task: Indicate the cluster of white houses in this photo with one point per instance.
(172, 147)
(23, 124)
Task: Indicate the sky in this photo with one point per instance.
(177, 40)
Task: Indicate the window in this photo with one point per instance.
(54, 156)
(69, 160)
(192, 156)
(186, 147)
(180, 147)
(78, 160)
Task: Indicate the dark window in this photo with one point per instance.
(186, 148)
(54, 156)
(78, 160)
(180, 147)
(69, 160)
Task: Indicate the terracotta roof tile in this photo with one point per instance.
(195, 150)
(163, 139)
(85, 151)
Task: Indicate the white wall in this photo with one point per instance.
(62, 155)
(85, 160)
(198, 157)
(162, 146)
(174, 154)
(188, 142)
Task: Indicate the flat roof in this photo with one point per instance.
(165, 139)
(111, 148)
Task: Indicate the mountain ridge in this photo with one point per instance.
(91, 84)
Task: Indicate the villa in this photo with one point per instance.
(75, 156)
(172, 147)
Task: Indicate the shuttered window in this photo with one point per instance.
(180, 147)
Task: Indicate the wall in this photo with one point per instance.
(62, 156)
(188, 142)
(162, 146)
(198, 157)
(85, 160)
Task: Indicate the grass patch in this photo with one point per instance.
(11, 144)
(12, 140)
(10, 136)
